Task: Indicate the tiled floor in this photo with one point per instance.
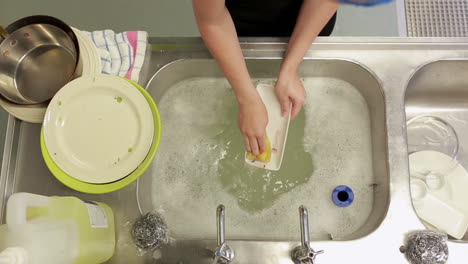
(170, 18)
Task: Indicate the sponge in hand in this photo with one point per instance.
(265, 156)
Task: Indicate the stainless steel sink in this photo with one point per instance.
(372, 190)
(379, 69)
(440, 89)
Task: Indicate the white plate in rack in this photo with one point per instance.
(98, 129)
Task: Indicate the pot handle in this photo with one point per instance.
(3, 33)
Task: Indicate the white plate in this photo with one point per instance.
(455, 181)
(29, 113)
(90, 61)
(98, 129)
(277, 128)
(454, 190)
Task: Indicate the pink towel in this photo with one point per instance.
(138, 40)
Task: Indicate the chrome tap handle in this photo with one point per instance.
(223, 253)
(304, 254)
(220, 213)
(304, 222)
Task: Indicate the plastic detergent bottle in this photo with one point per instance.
(56, 230)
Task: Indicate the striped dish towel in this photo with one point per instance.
(121, 54)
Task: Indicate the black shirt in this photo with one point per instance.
(268, 18)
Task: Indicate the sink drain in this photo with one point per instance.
(343, 196)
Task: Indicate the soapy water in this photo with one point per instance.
(201, 164)
(256, 189)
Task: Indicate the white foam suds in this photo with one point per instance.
(200, 164)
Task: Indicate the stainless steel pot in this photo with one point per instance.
(36, 60)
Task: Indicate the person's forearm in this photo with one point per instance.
(314, 15)
(221, 39)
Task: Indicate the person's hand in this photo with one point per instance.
(290, 93)
(253, 120)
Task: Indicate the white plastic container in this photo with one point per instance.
(61, 230)
(43, 240)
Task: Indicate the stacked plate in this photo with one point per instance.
(90, 61)
(100, 133)
(89, 64)
(438, 180)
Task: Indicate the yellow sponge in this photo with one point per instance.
(264, 157)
